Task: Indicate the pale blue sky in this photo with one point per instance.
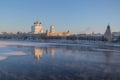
(74, 15)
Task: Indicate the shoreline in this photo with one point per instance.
(56, 42)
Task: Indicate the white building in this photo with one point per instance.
(37, 28)
(52, 29)
(52, 32)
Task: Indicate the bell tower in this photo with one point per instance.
(37, 28)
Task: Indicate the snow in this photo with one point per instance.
(17, 53)
(2, 58)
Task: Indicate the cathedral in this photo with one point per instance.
(37, 28)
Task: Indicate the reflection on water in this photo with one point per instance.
(38, 52)
(51, 51)
(108, 56)
(59, 63)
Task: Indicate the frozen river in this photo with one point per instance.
(20, 60)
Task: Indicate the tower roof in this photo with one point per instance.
(37, 22)
(108, 30)
(108, 27)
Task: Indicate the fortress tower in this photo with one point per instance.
(108, 34)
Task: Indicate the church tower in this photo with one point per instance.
(37, 28)
(52, 29)
(108, 34)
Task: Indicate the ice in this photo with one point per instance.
(6, 50)
(57, 42)
(2, 58)
(17, 53)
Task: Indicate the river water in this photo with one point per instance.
(59, 62)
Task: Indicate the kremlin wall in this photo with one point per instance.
(37, 28)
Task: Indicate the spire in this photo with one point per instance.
(108, 26)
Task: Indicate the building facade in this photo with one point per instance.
(116, 36)
(52, 32)
(37, 28)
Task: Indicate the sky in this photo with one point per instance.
(77, 16)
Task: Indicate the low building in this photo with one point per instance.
(52, 32)
(116, 36)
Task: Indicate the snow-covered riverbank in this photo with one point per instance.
(56, 42)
